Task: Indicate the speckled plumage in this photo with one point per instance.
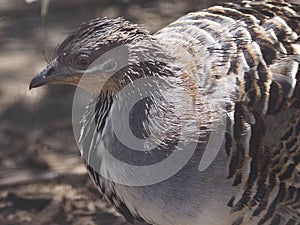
(251, 49)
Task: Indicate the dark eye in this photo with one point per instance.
(83, 60)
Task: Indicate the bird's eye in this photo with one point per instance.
(83, 60)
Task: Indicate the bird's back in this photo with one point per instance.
(250, 50)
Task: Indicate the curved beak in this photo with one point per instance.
(46, 76)
(55, 74)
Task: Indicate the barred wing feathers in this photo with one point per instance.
(258, 44)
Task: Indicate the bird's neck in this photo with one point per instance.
(102, 109)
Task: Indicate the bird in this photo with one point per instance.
(197, 123)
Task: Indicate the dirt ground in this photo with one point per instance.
(42, 179)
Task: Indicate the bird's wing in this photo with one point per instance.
(258, 44)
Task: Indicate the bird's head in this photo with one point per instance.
(93, 40)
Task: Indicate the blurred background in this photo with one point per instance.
(42, 179)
